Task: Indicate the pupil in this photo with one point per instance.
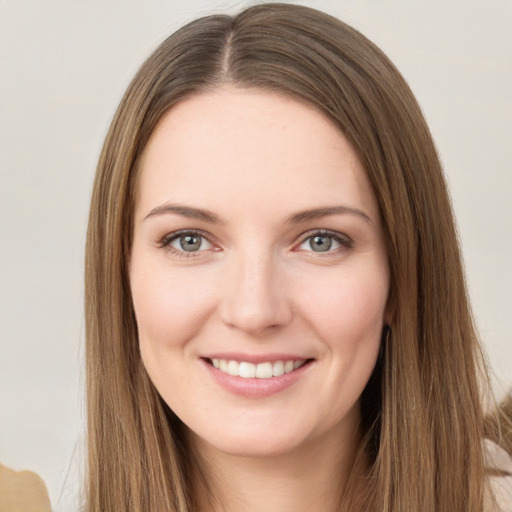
(321, 243)
(190, 242)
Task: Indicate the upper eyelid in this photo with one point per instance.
(180, 232)
(324, 232)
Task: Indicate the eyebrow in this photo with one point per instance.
(316, 213)
(185, 211)
(297, 218)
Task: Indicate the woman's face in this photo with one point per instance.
(258, 272)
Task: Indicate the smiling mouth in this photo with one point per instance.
(265, 370)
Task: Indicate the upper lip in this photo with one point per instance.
(256, 358)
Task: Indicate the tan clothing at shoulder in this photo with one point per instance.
(22, 491)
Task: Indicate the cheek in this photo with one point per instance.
(346, 307)
(170, 304)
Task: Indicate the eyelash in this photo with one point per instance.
(165, 242)
(344, 241)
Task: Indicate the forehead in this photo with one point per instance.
(240, 148)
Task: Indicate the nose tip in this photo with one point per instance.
(255, 301)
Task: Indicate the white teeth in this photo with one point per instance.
(247, 370)
(278, 368)
(265, 370)
(233, 368)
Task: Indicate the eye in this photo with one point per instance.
(187, 242)
(325, 241)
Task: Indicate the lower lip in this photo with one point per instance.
(256, 388)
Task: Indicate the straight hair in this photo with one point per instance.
(422, 411)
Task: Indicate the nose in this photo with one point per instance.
(254, 297)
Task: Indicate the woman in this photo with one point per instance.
(276, 310)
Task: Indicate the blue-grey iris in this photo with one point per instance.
(190, 243)
(320, 243)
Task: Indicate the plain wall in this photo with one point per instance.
(63, 68)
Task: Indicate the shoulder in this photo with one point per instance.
(22, 490)
(497, 458)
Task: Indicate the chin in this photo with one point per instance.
(258, 441)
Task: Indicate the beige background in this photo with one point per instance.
(63, 67)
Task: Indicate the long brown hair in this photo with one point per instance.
(423, 417)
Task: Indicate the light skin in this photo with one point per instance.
(257, 237)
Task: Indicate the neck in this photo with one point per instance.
(312, 477)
